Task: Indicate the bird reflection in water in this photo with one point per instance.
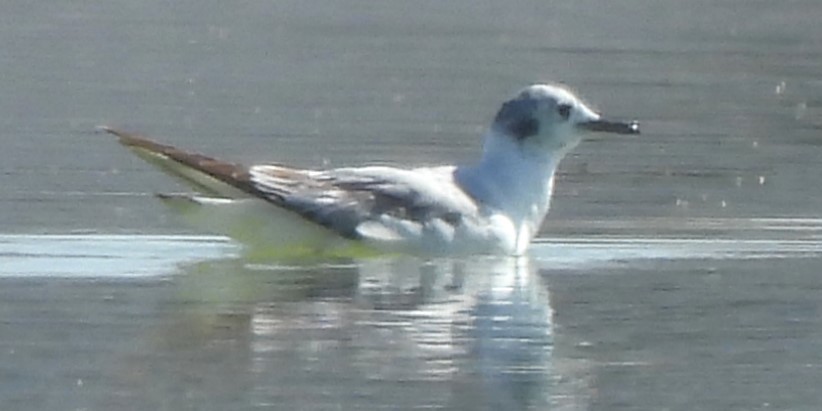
(395, 331)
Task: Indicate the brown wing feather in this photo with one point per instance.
(235, 175)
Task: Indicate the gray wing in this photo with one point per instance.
(347, 200)
(388, 201)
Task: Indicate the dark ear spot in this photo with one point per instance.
(564, 111)
(525, 128)
(516, 117)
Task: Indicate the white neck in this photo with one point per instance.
(515, 179)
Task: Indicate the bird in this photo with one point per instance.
(494, 206)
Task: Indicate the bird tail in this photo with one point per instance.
(204, 174)
(231, 205)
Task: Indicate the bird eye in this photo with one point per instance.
(564, 111)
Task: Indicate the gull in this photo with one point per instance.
(493, 207)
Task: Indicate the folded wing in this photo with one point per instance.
(371, 202)
(379, 203)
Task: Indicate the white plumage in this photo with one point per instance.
(495, 206)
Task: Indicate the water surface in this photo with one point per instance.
(583, 323)
(677, 270)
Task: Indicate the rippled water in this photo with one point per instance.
(584, 323)
(678, 270)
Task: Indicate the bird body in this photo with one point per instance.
(495, 206)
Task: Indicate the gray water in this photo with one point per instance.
(678, 270)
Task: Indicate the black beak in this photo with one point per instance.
(608, 126)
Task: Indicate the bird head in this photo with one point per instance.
(552, 118)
